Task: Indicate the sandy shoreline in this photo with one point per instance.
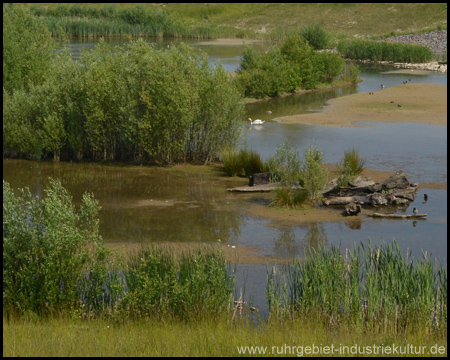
(420, 103)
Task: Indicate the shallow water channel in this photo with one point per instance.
(190, 205)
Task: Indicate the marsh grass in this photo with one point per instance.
(357, 49)
(374, 288)
(62, 336)
(243, 161)
(351, 165)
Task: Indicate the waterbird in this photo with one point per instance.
(256, 122)
(415, 211)
(392, 101)
(382, 86)
(399, 105)
(425, 197)
(269, 111)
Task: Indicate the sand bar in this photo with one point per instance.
(420, 103)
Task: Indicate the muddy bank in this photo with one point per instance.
(405, 103)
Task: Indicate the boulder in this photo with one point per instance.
(352, 209)
(259, 179)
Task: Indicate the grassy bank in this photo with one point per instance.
(65, 337)
(269, 20)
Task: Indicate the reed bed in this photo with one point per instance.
(375, 288)
(243, 161)
(357, 49)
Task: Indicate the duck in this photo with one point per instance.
(256, 122)
(415, 211)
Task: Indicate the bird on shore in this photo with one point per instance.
(371, 93)
(415, 211)
(382, 86)
(269, 111)
(392, 101)
(256, 122)
(399, 105)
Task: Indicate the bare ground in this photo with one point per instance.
(420, 103)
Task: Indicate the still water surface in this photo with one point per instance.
(151, 204)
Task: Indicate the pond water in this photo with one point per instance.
(180, 205)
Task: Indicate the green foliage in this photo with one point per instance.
(373, 287)
(290, 198)
(128, 102)
(351, 165)
(53, 255)
(358, 49)
(291, 66)
(28, 48)
(197, 285)
(232, 163)
(247, 161)
(315, 35)
(314, 175)
(285, 163)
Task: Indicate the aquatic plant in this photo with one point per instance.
(351, 164)
(373, 287)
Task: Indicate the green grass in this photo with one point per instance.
(273, 20)
(66, 337)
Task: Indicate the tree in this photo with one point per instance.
(28, 48)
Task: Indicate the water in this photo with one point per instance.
(192, 206)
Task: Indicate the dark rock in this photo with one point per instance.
(379, 199)
(397, 181)
(260, 179)
(352, 209)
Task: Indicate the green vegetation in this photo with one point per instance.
(314, 175)
(128, 102)
(218, 338)
(28, 49)
(351, 165)
(316, 36)
(358, 49)
(374, 288)
(240, 161)
(52, 253)
(291, 66)
(55, 262)
(252, 20)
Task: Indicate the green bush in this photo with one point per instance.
(351, 165)
(232, 163)
(315, 35)
(196, 285)
(315, 176)
(358, 49)
(53, 255)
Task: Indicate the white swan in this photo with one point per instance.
(256, 122)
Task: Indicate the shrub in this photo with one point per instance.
(232, 163)
(290, 198)
(53, 255)
(315, 35)
(315, 176)
(351, 164)
(251, 162)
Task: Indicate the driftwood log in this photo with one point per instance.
(398, 216)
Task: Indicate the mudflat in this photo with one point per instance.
(405, 103)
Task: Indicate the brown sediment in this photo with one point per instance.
(420, 103)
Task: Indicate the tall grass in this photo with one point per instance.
(375, 288)
(243, 161)
(197, 285)
(351, 164)
(357, 49)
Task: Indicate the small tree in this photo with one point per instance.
(315, 176)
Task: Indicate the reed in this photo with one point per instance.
(196, 285)
(351, 164)
(357, 49)
(375, 288)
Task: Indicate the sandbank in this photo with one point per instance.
(419, 103)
